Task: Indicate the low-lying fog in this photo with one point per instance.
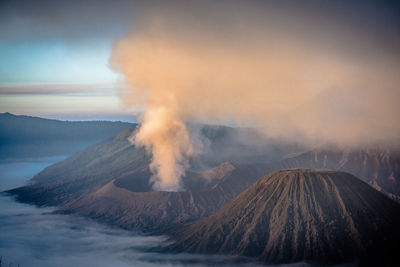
(31, 236)
(15, 172)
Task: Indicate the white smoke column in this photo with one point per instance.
(166, 136)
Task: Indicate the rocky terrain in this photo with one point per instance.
(302, 215)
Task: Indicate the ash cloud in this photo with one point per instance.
(289, 76)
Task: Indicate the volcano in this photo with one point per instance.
(301, 215)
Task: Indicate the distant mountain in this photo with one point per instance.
(302, 215)
(380, 167)
(25, 136)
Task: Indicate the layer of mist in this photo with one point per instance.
(15, 173)
(31, 236)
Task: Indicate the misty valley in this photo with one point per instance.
(246, 200)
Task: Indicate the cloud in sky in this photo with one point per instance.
(59, 100)
(58, 89)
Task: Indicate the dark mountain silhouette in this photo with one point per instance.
(25, 136)
(302, 215)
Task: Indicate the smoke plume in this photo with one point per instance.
(259, 72)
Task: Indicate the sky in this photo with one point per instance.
(54, 55)
(54, 58)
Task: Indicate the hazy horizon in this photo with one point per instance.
(128, 117)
